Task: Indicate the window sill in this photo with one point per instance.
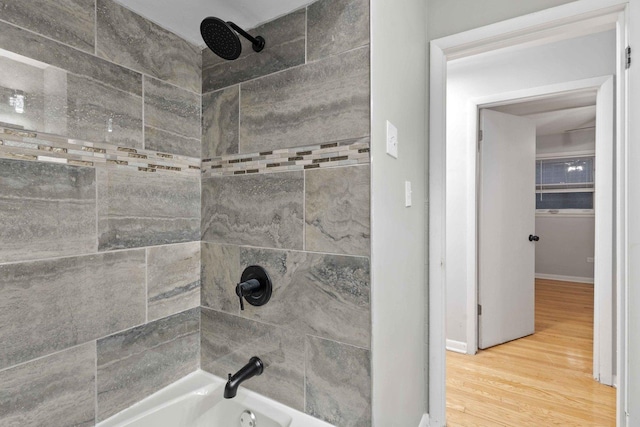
(565, 213)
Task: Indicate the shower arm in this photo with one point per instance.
(257, 42)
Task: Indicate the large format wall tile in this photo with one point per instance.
(68, 21)
(46, 210)
(99, 113)
(48, 51)
(284, 48)
(323, 295)
(220, 274)
(220, 121)
(260, 210)
(130, 40)
(136, 210)
(228, 342)
(335, 26)
(173, 279)
(337, 210)
(338, 383)
(169, 142)
(57, 390)
(46, 306)
(174, 111)
(323, 101)
(138, 362)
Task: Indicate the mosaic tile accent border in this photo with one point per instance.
(34, 146)
(344, 153)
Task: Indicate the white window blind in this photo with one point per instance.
(565, 183)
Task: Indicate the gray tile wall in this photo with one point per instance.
(140, 361)
(99, 266)
(309, 228)
(136, 210)
(132, 41)
(105, 263)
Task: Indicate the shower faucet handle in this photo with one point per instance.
(255, 286)
(247, 288)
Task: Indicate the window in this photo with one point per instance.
(565, 184)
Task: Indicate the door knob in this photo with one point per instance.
(533, 238)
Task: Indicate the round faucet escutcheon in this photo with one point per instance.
(255, 286)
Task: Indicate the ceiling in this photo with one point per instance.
(183, 17)
(557, 114)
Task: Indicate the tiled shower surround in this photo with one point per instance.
(142, 177)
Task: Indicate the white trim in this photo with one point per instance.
(457, 346)
(437, 223)
(424, 422)
(604, 254)
(474, 105)
(491, 37)
(626, 205)
(564, 278)
(565, 213)
(565, 155)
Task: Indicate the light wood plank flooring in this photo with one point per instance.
(541, 380)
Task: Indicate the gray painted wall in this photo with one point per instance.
(99, 260)
(565, 241)
(564, 246)
(305, 221)
(398, 87)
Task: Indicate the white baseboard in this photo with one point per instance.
(457, 346)
(565, 278)
(424, 422)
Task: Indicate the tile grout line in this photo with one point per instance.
(306, 34)
(144, 101)
(333, 55)
(284, 249)
(96, 173)
(121, 331)
(140, 248)
(304, 394)
(96, 383)
(96, 56)
(95, 28)
(146, 285)
(239, 113)
(304, 210)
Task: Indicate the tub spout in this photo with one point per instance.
(251, 369)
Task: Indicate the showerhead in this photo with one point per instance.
(221, 38)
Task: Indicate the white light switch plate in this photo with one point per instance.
(407, 193)
(392, 140)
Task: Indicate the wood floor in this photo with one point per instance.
(541, 380)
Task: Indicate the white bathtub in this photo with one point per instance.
(197, 401)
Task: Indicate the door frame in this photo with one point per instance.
(603, 208)
(530, 29)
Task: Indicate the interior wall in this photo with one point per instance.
(566, 241)
(286, 181)
(398, 249)
(468, 78)
(448, 17)
(99, 223)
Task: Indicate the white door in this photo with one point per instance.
(506, 255)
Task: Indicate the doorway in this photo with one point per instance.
(456, 48)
